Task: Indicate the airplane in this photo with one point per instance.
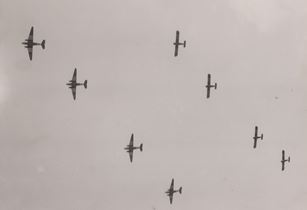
(170, 192)
(177, 43)
(256, 137)
(283, 160)
(29, 43)
(130, 147)
(208, 86)
(73, 84)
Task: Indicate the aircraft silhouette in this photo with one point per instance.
(208, 86)
(283, 160)
(29, 43)
(170, 192)
(130, 147)
(177, 43)
(73, 84)
(256, 137)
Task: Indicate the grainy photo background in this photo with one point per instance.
(60, 154)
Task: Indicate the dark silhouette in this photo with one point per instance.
(170, 192)
(256, 137)
(283, 160)
(177, 43)
(129, 148)
(208, 86)
(29, 43)
(73, 84)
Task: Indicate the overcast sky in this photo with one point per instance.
(61, 154)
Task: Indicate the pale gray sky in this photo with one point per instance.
(60, 154)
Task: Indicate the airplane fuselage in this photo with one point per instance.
(178, 43)
(210, 86)
(171, 191)
(256, 138)
(29, 43)
(74, 84)
(131, 148)
(285, 160)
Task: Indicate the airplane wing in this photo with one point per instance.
(209, 80)
(177, 36)
(176, 43)
(283, 160)
(74, 90)
(31, 35)
(176, 50)
(208, 91)
(208, 85)
(282, 165)
(131, 155)
(131, 140)
(74, 77)
(172, 185)
(171, 198)
(30, 52)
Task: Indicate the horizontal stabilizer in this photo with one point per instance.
(261, 136)
(184, 43)
(43, 44)
(85, 83)
(180, 190)
(141, 147)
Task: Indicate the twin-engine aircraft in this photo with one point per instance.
(170, 192)
(29, 43)
(256, 137)
(73, 84)
(209, 85)
(284, 160)
(177, 43)
(130, 147)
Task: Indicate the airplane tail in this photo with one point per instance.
(43, 44)
(261, 137)
(184, 43)
(289, 159)
(141, 147)
(180, 190)
(215, 85)
(85, 83)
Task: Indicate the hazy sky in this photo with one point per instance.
(61, 154)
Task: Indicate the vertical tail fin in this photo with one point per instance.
(85, 83)
(184, 43)
(180, 190)
(141, 147)
(43, 44)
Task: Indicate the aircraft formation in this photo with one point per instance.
(73, 84)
